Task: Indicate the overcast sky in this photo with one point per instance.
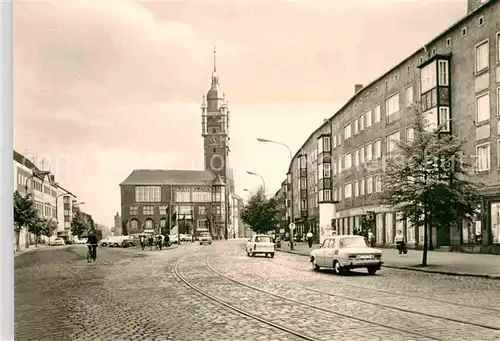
(105, 87)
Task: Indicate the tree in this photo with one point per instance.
(48, 227)
(260, 213)
(25, 214)
(79, 224)
(427, 181)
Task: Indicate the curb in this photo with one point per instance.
(409, 268)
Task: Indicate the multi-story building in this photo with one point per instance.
(116, 230)
(198, 199)
(456, 79)
(48, 195)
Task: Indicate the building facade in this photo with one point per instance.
(51, 200)
(456, 79)
(116, 230)
(189, 201)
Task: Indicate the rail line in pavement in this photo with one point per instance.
(394, 293)
(351, 317)
(232, 307)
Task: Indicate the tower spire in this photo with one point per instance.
(215, 60)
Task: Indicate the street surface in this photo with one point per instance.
(129, 294)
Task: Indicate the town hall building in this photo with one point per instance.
(154, 201)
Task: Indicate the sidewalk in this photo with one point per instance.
(448, 263)
(32, 248)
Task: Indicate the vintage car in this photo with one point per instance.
(343, 253)
(57, 241)
(205, 237)
(260, 244)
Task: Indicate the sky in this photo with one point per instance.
(104, 87)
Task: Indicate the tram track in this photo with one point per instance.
(428, 315)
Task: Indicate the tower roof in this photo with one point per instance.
(215, 92)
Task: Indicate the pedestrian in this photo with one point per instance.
(309, 237)
(399, 240)
(371, 237)
(150, 242)
(167, 240)
(142, 240)
(159, 241)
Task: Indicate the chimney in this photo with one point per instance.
(472, 5)
(357, 88)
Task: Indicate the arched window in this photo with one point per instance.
(148, 224)
(134, 224)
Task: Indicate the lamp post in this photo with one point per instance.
(263, 181)
(291, 182)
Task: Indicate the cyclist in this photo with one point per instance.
(92, 244)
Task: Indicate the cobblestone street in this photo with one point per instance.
(216, 292)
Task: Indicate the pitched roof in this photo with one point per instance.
(168, 177)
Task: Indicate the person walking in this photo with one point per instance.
(309, 237)
(371, 238)
(142, 240)
(399, 240)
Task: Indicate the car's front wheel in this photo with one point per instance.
(337, 268)
(372, 271)
(314, 265)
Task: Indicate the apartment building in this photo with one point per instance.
(49, 197)
(456, 78)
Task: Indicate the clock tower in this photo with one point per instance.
(215, 128)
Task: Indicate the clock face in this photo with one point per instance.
(216, 162)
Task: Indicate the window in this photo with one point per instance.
(368, 116)
(448, 42)
(377, 149)
(355, 127)
(202, 210)
(347, 161)
(480, 21)
(369, 151)
(409, 96)
(163, 210)
(348, 191)
(483, 157)
(361, 155)
(303, 204)
(428, 77)
(134, 210)
(347, 131)
(326, 143)
(410, 232)
(355, 162)
(483, 108)
(433, 51)
(378, 184)
(320, 171)
(148, 210)
(356, 188)
(369, 184)
(147, 193)
(362, 122)
(334, 141)
(444, 118)
(392, 105)
(201, 196)
(320, 145)
(464, 31)
(327, 195)
(335, 195)
(327, 171)
(482, 56)
(410, 133)
(182, 196)
(391, 141)
(303, 161)
(443, 72)
(303, 183)
(362, 187)
(376, 114)
(67, 224)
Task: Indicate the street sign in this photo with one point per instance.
(292, 226)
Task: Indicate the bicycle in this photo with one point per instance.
(91, 256)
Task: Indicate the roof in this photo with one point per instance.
(18, 157)
(168, 177)
(420, 50)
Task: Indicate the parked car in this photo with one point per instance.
(260, 243)
(81, 241)
(115, 241)
(346, 252)
(173, 238)
(205, 238)
(57, 241)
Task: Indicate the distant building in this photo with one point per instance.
(192, 200)
(117, 229)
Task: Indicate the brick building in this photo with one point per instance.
(192, 200)
(456, 76)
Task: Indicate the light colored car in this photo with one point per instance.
(205, 238)
(346, 252)
(260, 243)
(57, 241)
(81, 241)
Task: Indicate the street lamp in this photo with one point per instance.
(263, 181)
(291, 182)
